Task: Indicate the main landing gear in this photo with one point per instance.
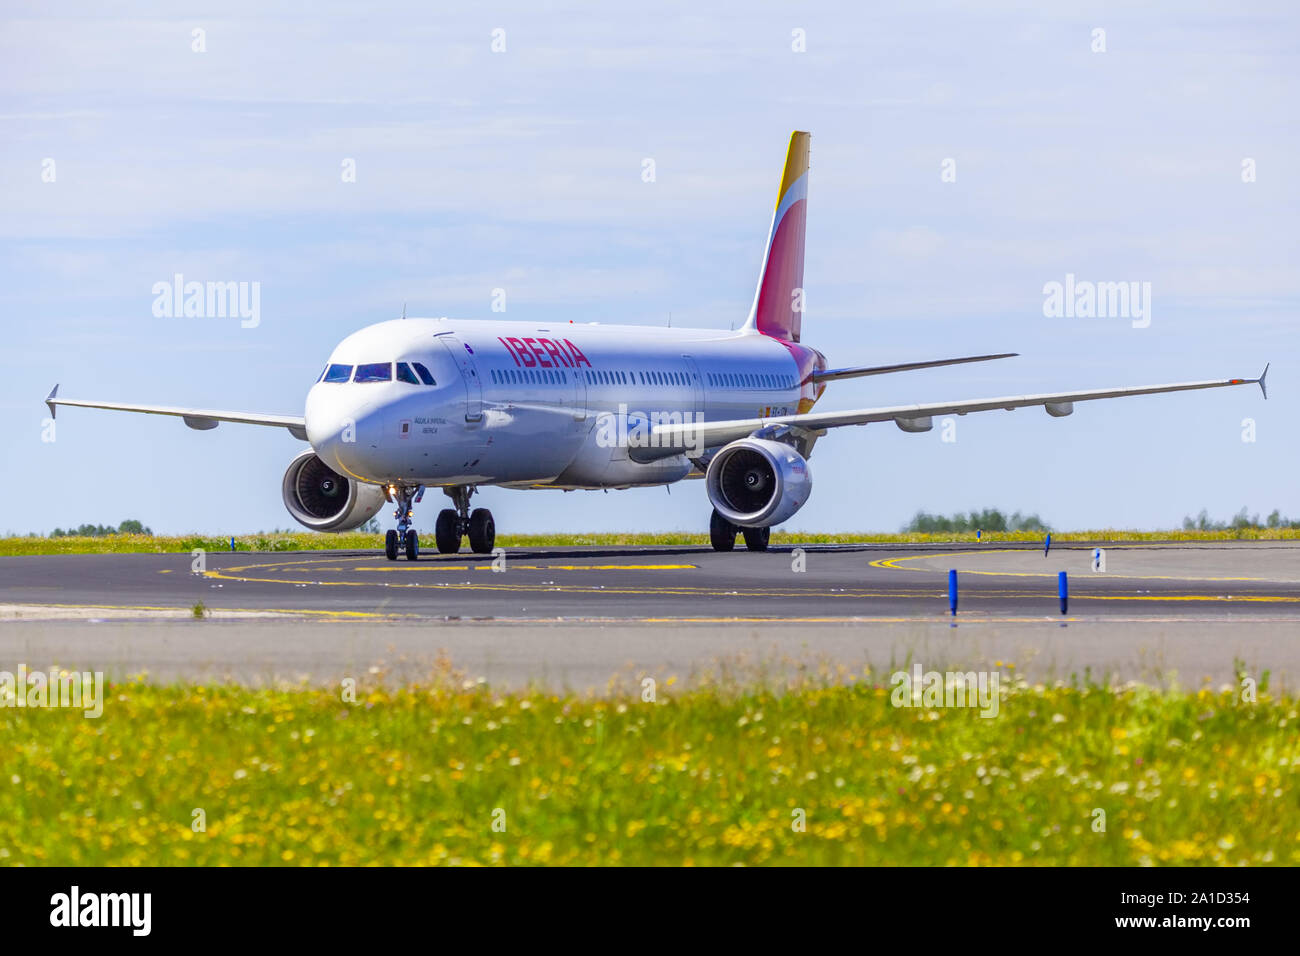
(722, 535)
(405, 537)
(451, 527)
(455, 524)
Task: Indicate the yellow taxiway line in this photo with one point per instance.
(893, 564)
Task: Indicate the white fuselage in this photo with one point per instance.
(521, 405)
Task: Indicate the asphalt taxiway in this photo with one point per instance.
(576, 616)
(664, 584)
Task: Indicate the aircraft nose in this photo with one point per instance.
(337, 425)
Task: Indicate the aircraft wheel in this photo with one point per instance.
(446, 533)
(756, 538)
(412, 546)
(482, 531)
(722, 533)
(390, 545)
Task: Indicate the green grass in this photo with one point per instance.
(712, 775)
(308, 541)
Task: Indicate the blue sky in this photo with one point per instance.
(521, 170)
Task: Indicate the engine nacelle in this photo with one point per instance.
(323, 500)
(757, 483)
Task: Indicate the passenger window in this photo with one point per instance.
(375, 372)
(423, 372)
(404, 374)
(338, 373)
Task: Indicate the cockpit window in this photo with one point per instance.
(337, 373)
(404, 374)
(423, 372)
(375, 372)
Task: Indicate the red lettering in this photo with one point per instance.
(521, 353)
(509, 349)
(541, 356)
(575, 353)
(554, 352)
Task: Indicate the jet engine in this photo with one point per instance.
(323, 500)
(757, 483)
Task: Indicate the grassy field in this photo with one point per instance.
(713, 775)
(308, 541)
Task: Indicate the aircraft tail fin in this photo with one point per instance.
(778, 301)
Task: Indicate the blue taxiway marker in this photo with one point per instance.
(1047, 544)
(952, 591)
(232, 544)
(1063, 586)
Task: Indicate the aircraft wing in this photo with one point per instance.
(670, 439)
(200, 418)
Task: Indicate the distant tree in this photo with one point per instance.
(130, 526)
(1242, 520)
(370, 527)
(990, 519)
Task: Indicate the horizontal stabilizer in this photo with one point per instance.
(832, 374)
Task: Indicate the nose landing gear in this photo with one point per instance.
(404, 538)
(453, 525)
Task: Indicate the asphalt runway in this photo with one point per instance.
(575, 618)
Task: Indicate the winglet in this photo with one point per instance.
(49, 401)
(1263, 375)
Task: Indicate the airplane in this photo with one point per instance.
(411, 404)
